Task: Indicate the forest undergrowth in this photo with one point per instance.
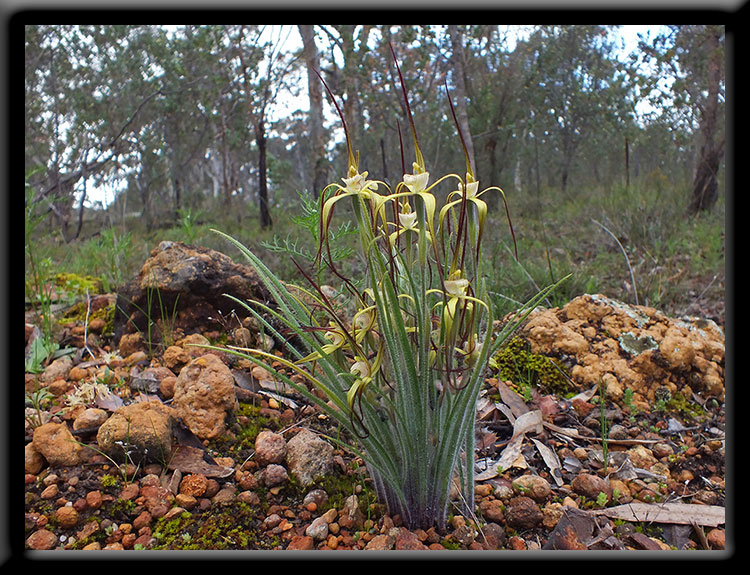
(635, 244)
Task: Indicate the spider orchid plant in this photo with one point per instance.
(404, 373)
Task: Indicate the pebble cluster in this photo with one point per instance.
(76, 496)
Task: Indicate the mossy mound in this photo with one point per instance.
(516, 363)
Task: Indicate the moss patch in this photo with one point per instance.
(237, 526)
(525, 370)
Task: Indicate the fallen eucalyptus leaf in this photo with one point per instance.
(680, 513)
(551, 459)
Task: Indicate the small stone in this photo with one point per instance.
(408, 541)
(301, 543)
(57, 370)
(274, 475)
(317, 497)
(716, 539)
(318, 529)
(640, 456)
(171, 514)
(662, 450)
(94, 499)
(204, 396)
(309, 457)
(57, 445)
(383, 542)
(50, 492)
(225, 496)
(272, 521)
(212, 488)
(129, 492)
(142, 428)
(33, 462)
(142, 520)
(591, 486)
(42, 539)
(551, 514)
(128, 540)
(270, 447)
(503, 489)
(249, 497)
(465, 535)
(194, 484)
(185, 500)
(66, 517)
(492, 510)
(91, 417)
(482, 490)
(145, 540)
(493, 536)
(523, 513)
(532, 486)
(77, 373)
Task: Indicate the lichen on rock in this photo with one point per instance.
(630, 347)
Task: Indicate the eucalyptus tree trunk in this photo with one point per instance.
(260, 140)
(459, 76)
(315, 89)
(705, 183)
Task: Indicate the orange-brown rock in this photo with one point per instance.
(630, 347)
(204, 396)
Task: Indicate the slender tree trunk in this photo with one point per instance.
(705, 183)
(317, 136)
(459, 74)
(177, 188)
(627, 163)
(81, 207)
(260, 140)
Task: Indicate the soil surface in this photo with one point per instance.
(663, 487)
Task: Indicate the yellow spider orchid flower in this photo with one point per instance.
(470, 192)
(337, 339)
(356, 184)
(408, 223)
(363, 322)
(365, 373)
(456, 290)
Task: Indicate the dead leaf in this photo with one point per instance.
(511, 455)
(512, 399)
(486, 439)
(529, 421)
(680, 513)
(551, 459)
(188, 459)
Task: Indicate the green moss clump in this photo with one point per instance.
(515, 363)
(237, 526)
(79, 312)
(677, 402)
(244, 439)
(78, 285)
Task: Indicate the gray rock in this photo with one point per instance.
(318, 529)
(308, 457)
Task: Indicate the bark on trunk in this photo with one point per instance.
(317, 139)
(260, 140)
(705, 183)
(462, 114)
